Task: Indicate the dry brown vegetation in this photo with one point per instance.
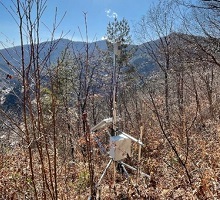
(168, 178)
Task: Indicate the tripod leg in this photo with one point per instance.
(124, 170)
(132, 168)
(104, 172)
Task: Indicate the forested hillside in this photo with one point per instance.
(62, 102)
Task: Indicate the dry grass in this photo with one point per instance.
(168, 179)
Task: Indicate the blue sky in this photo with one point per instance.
(99, 13)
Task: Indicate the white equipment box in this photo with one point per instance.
(120, 147)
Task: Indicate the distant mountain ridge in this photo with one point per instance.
(13, 54)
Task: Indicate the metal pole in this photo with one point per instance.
(114, 117)
(104, 172)
(132, 168)
(116, 51)
(114, 93)
(114, 105)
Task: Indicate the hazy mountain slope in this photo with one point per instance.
(13, 55)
